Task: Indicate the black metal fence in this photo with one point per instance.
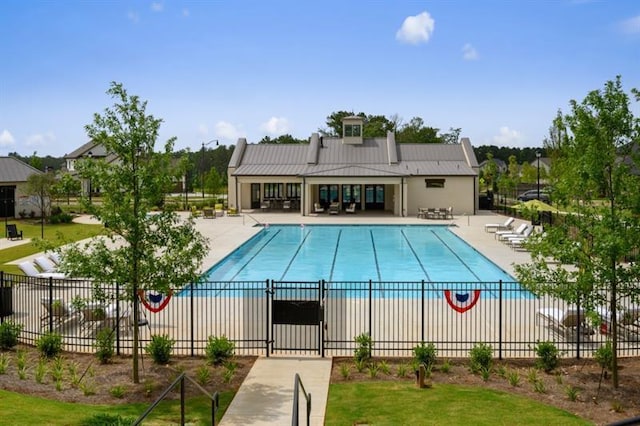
(322, 318)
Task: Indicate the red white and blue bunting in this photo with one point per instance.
(154, 301)
(462, 301)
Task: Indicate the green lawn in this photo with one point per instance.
(402, 403)
(19, 409)
(54, 235)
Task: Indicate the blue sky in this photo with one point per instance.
(226, 69)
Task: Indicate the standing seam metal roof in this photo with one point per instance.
(14, 170)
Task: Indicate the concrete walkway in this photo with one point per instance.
(266, 395)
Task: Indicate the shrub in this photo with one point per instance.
(104, 345)
(203, 375)
(481, 357)
(160, 348)
(604, 356)
(4, 363)
(117, 391)
(345, 371)
(107, 419)
(514, 379)
(547, 354)
(9, 333)
(425, 354)
(402, 370)
(373, 370)
(365, 344)
(49, 344)
(572, 393)
(219, 349)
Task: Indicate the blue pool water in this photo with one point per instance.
(357, 253)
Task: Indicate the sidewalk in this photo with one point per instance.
(266, 395)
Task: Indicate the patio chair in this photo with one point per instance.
(45, 264)
(208, 214)
(508, 238)
(351, 208)
(55, 257)
(334, 208)
(13, 233)
(219, 210)
(317, 208)
(286, 205)
(57, 312)
(30, 270)
(568, 323)
(507, 225)
(265, 205)
(431, 213)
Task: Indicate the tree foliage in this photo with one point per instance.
(67, 186)
(41, 187)
(142, 251)
(597, 175)
(283, 139)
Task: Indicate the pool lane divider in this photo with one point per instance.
(460, 259)
(426, 274)
(375, 257)
(335, 255)
(256, 254)
(294, 255)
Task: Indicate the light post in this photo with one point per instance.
(202, 162)
(538, 160)
(89, 156)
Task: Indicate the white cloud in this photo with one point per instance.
(203, 130)
(41, 139)
(157, 6)
(6, 139)
(416, 29)
(507, 137)
(225, 130)
(276, 126)
(133, 17)
(469, 53)
(631, 25)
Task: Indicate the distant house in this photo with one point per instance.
(500, 165)
(374, 173)
(90, 150)
(545, 164)
(13, 179)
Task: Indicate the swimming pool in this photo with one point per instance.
(388, 253)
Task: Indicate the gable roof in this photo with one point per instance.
(14, 170)
(374, 157)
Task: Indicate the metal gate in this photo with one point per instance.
(297, 316)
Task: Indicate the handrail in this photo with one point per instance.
(215, 400)
(297, 384)
(254, 219)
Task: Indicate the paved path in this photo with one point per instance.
(266, 395)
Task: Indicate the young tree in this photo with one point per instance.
(67, 185)
(40, 185)
(597, 174)
(157, 252)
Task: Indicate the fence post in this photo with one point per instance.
(500, 300)
(370, 309)
(2, 296)
(579, 329)
(193, 353)
(268, 292)
(321, 294)
(119, 318)
(50, 304)
(422, 312)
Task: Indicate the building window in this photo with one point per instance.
(293, 191)
(272, 190)
(434, 183)
(352, 130)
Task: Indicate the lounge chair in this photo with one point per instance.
(96, 316)
(30, 270)
(351, 208)
(628, 322)
(517, 233)
(568, 323)
(508, 238)
(13, 233)
(45, 264)
(507, 225)
(56, 312)
(317, 208)
(334, 208)
(55, 257)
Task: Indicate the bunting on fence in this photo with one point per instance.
(153, 300)
(462, 301)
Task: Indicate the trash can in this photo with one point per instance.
(6, 300)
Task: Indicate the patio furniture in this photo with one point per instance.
(569, 323)
(317, 208)
(628, 322)
(265, 205)
(351, 208)
(57, 312)
(13, 233)
(45, 264)
(334, 208)
(286, 205)
(507, 225)
(30, 270)
(518, 232)
(208, 214)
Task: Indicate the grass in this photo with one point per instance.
(18, 409)
(369, 403)
(55, 235)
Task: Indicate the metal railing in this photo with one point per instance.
(297, 386)
(180, 380)
(317, 317)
